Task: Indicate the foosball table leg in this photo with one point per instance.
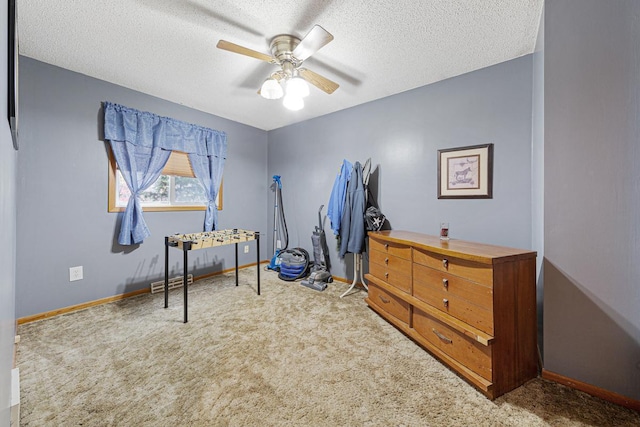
(258, 255)
(166, 272)
(236, 263)
(186, 247)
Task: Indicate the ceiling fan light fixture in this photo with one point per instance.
(271, 89)
(293, 103)
(297, 87)
(289, 52)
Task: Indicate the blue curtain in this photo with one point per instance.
(142, 143)
(208, 169)
(140, 167)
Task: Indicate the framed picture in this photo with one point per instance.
(466, 172)
(12, 72)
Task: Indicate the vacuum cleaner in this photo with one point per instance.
(294, 264)
(278, 217)
(320, 275)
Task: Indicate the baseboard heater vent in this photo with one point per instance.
(175, 282)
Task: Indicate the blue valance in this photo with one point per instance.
(150, 130)
(142, 142)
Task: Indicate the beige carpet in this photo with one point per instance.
(290, 357)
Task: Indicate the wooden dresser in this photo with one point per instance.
(471, 305)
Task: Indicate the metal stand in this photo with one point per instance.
(186, 247)
(357, 272)
(257, 234)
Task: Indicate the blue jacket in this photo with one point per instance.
(336, 200)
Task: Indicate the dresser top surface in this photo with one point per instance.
(481, 252)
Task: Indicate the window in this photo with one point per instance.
(175, 190)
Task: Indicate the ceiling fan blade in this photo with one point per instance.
(312, 42)
(232, 47)
(318, 81)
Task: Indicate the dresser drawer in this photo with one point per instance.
(392, 262)
(476, 316)
(389, 303)
(395, 278)
(476, 293)
(468, 301)
(474, 271)
(472, 354)
(390, 248)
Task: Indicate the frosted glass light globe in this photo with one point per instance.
(297, 87)
(293, 103)
(271, 89)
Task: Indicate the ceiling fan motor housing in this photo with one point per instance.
(282, 47)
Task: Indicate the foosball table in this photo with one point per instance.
(208, 239)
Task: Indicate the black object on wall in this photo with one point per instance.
(12, 74)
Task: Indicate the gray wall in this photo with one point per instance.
(401, 134)
(7, 236)
(62, 194)
(592, 193)
(537, 173)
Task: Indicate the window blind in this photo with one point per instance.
(178, 165)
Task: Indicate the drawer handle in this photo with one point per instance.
(384, 300)
(386, 275)
(386, 261)
(445, 283)
(442, 337)
(445, 263)
(445, 302)
(386, 246)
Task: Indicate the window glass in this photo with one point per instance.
(176, 189)
(189, 190)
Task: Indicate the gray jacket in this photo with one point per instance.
(352, 231)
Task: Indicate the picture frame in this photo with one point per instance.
(466, 172)
(12, 71)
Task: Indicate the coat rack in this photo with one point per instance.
(357, 258)
(357, 271)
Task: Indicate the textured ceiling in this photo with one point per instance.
(167, 48)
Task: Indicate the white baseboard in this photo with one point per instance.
(15, 397)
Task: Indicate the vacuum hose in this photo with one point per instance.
(284, 219)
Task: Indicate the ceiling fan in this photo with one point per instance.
(289, 52)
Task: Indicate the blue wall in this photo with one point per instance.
(62, 194)
(592, 193)
(402, 134)
(537, 173)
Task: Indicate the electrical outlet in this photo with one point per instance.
(246, 249)
(278, 244)
(75, 273)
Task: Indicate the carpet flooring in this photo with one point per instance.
(289, 357)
